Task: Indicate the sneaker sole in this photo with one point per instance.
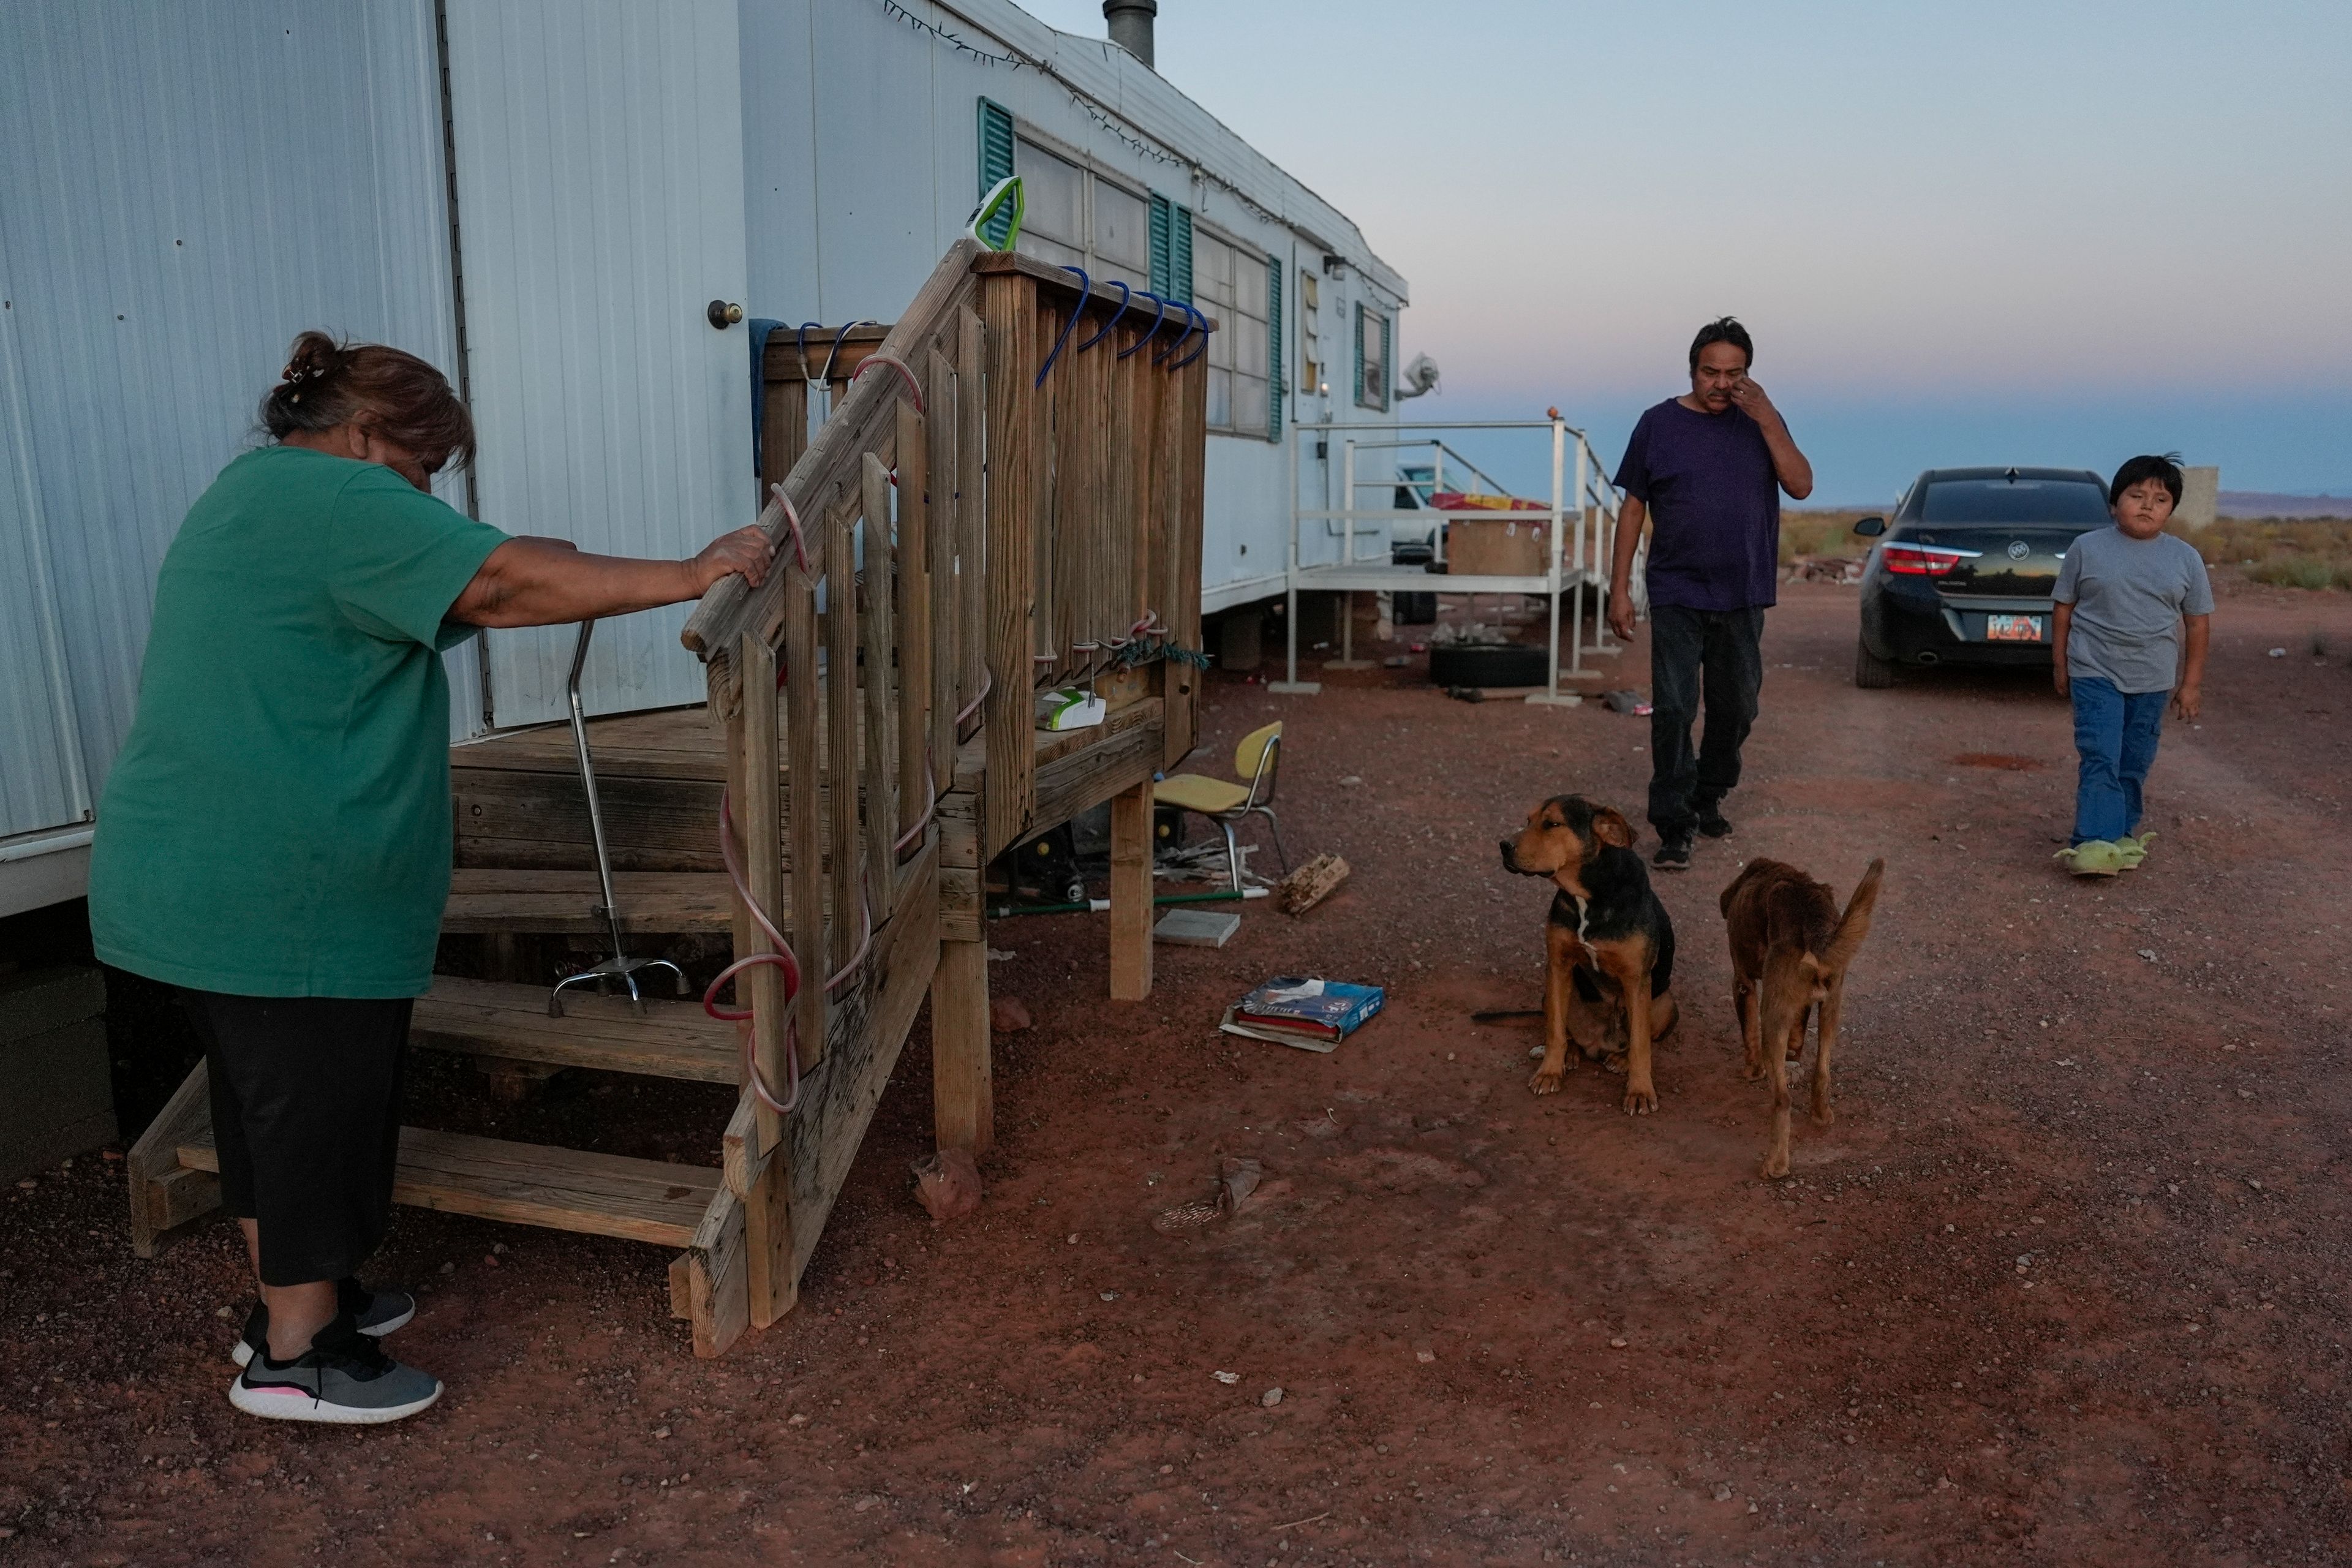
(285, 1405)
(240, 1354)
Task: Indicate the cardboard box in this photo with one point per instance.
(1508, 545)
(57, 1095)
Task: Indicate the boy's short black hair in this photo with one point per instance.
(1722, 330)
(2148, 467)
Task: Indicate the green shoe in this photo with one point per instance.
(2134, 850)
(2093, 858)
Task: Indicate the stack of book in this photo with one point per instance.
(1297, 1010)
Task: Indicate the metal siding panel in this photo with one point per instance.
(41, 783)
(164, 243)
(601, 206)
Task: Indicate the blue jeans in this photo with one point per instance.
(2115, 733)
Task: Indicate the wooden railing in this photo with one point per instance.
(1006, 495)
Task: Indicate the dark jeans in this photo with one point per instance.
(1717, 655)
(2115, 734)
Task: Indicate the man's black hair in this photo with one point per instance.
(1722, 330)
(2148, 467)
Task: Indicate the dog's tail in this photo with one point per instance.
(1855, 924)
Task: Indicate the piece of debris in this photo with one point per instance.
(1425, 1355)
(1625, 701)
(1352, 781)
(1310, 884)
(2278, 653)
(947, 1184)
(2148, 953)
(1188, 1216)
(1395, 661)
(1228, 1378)
(998, 955)
(1236, 1180)
(1007, 1015)
(1270, 1398)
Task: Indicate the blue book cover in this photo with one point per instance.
(1330, 1008)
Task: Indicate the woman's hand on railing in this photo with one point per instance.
(747, 552)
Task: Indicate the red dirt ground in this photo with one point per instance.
(2064, 1284)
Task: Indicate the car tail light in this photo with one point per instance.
(1922, 559)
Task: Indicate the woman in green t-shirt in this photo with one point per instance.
(274, 839)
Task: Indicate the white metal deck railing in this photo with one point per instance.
(1580, 525)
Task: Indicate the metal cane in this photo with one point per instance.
(620, 964)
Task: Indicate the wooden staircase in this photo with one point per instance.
(875, 754)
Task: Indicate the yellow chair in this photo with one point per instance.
(1227, 804)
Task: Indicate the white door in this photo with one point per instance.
(598, 152)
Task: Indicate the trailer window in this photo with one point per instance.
(1230, 283)
(1310, 329)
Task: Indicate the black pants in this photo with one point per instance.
(1717, 655)
(306, 1118)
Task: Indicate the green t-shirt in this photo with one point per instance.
(278, 822)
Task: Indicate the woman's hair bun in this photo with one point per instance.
(315, 355)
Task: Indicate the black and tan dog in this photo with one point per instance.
(1789, 952)
(1609, 947)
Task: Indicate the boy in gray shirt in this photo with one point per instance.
(2123, 596)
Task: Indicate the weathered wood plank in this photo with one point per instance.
(1131, 893)
(535, 1183)
(971, 521)
(1016, 494)
(963, 1113)
(877, 643)
(838, 1100)
(488, 899)
(846, 884)
(1051, 747)
(162, 1200)
(491, 1019)
(940, 565)
(804, 820)
(961, 917)
(718, 1296)
(907, 593)
(1087, 778)
(760, 839)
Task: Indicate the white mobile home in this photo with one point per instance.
(543, 197)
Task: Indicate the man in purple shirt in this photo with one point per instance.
(1706, 471)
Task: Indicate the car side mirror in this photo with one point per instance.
(1871, 527)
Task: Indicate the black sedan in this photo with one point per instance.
(1962, 574)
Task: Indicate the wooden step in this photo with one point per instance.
(497, 899)
(672, 1039)
(533, 1183)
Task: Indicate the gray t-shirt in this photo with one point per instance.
(2129, 596)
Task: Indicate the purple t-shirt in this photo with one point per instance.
(1714, 507)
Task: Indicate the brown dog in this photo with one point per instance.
(1790, 950)
(1609, 947)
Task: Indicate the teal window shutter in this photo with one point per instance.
(1360, 355)
(995, 162)
(1273, 349)
(1179, 255)
(1388, 360)
(1163, 225)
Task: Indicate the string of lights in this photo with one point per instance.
(1156, 152)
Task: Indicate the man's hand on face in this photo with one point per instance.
(1747, 397)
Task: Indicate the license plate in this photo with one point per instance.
(2013, 629)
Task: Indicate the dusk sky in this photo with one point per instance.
(2030, 233)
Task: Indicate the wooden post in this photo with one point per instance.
(882, 731)
(963, 1113)
(841, 738)
(913, 550)
(805, 821)
(1131, 894)
(1016, 492)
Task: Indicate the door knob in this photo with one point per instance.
(723, 315)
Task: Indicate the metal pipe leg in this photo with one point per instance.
(1233, 853)
(1274, 831)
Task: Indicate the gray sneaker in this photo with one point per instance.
(343, 1379)
(377, 1312)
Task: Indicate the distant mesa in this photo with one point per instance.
(2264, 504)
